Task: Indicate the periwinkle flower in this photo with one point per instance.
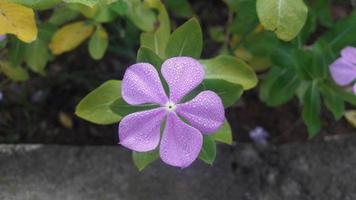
(343, 70)
(259, 135)
(2, 37)
(181, 139)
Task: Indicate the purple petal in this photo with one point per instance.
(205, 112)
(343, 72)
(181, 143)
(349, 54)
(2, 37)
(140, 131)
(182, 74)
(141, 84)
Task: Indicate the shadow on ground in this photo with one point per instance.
(321, 170)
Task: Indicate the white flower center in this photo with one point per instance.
(170, 106)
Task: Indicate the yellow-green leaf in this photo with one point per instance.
(14, 73)
(350, 116)
(18, 20)
(98, 43)
(158, 39)
(230, 69)
(70, 36)
(284, 17)
(95, 107)
(224, 134)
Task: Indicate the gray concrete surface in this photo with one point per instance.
(320, 170)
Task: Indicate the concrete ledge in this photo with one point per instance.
(316, 171)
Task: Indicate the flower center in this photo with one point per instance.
(170, 106)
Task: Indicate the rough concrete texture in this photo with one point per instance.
(322, 170)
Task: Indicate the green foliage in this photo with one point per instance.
(311, 109)
(142, 159)
(95, 107)
(229, 92)
(279, 86)
(98, 43)
(284, 17)
(89, 3)
(231, 70)
(280, 39)
(180, 8)
(208, 151)
(304, 72)
(157, 40)
(37, 4)
(15, 73)
(224, 134)
(187, 40)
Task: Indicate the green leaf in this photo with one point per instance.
(62, 15)
(37, 55)
(284, 17)
(100, 12)
(180, 8)
(141, 15)
(311, 110)
(142, 159)
(340, 92)
(14, 73)
(224, 134)
(95, 107)
(230, 69)
(121, 108)
(187, 40)
(157, 40)
(333, 103)
(246, 19)
(145, 54)
(36, 4)
(227, 91)
(98, 43)
(89, 3)
(120, 7)
(279, 86)
(342, 34)
(16, 52)
(208, 151)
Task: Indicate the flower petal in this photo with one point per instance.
(181, 143)
(349, 54)
(140, 131)
(205, 112)
(141, 84)
(343, 72)
(182, 74)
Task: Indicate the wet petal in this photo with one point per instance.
(181, 143)
(205, 112)
(349, 54)
(141, 84)
(140, 131)
(182, 74)
(343, 72)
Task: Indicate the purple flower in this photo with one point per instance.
(343, 70)
(181, 142)
(259, 135)
(2, 37)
